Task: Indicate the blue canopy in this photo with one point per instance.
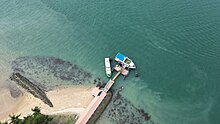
(120, 56)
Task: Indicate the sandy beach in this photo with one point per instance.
(71, 100)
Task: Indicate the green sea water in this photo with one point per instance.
(175, 45)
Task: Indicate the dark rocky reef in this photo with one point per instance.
(50, 71)
(15, 92)
(122, 111)
(99, 83)
(31, 88)
(13, 88)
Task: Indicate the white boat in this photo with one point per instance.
(125, 61)
(108, 67)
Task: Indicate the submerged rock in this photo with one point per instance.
(122, 111)
(15, 92)
(31, 88)
(50, 72)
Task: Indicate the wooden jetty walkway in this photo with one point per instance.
(110, 83)
(99, 96)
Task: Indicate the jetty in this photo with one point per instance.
(100, 94)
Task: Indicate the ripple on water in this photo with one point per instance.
(188, 103)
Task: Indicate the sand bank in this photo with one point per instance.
(65, 100)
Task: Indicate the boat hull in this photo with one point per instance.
(107, 67)
(125, 61)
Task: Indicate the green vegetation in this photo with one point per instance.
(38, 118)
(35, 118)
(63, 119)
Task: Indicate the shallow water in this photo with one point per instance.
(175, 45)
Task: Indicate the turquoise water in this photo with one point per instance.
(175, 45)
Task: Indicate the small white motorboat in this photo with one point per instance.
(108, 67)
(125, 61)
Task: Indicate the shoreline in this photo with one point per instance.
(66, 100)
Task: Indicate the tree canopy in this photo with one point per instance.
(35, 118)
